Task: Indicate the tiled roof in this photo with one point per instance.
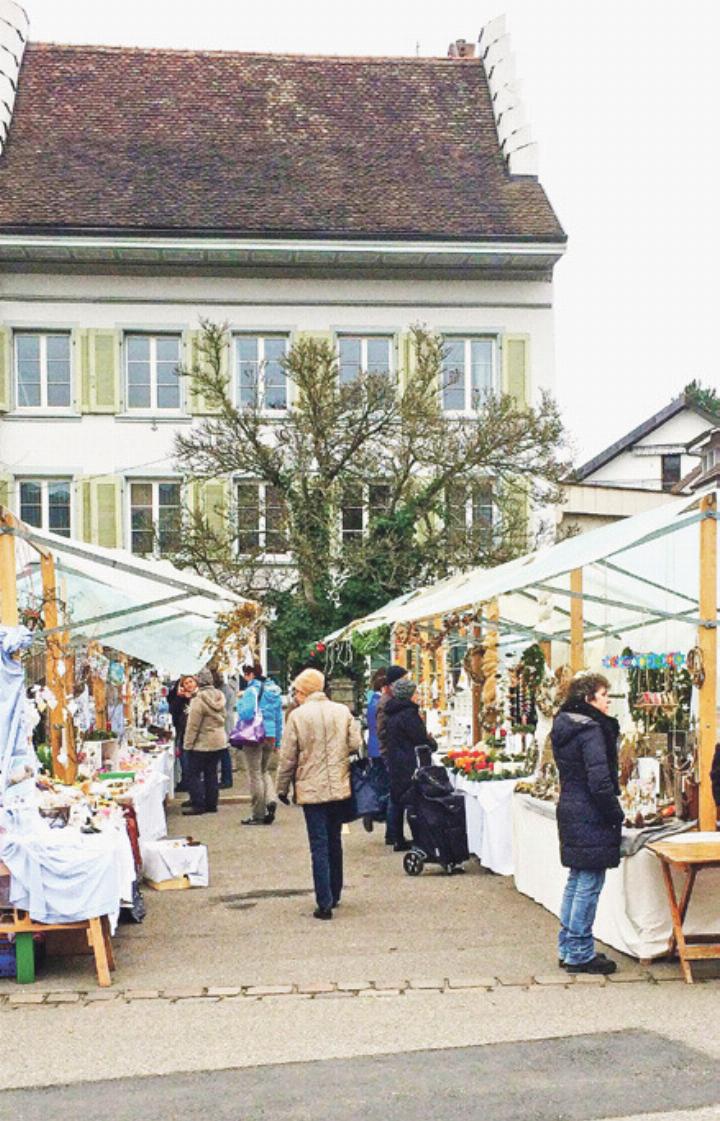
(109, 138)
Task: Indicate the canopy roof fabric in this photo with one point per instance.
(641, 583)
(145, 608)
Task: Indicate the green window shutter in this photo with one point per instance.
(407, 358)
(5, 369)
(6, 482)
(192, 359)
(516, 368)
(81, 369)
(215, 505)
(106, 512)
(104, 366)
(85, 509)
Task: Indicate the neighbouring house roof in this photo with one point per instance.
(131, 140)
(637, 434)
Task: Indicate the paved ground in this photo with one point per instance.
(570, 1078)
(240, 977)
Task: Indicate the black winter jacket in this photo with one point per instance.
(404, 731)
(589, 814)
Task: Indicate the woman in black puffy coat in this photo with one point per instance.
(404, 731)
(589, 815)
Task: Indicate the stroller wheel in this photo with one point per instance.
(413, 863)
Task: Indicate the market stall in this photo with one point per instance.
(98, 631)
(636, 600)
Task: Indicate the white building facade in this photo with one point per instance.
(123, 224)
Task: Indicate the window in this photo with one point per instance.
(361, 505)
(42, 362)
(46, 504)
(261, 381)
(469, 512)
(670, 471)
(155, 517)
(261, 518)
(153, 381)
(468, 373)
(359, 353)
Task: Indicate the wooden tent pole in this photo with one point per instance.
(476, 688)
(52, 657)
(8, 579)
(707, 641)
(577, 636)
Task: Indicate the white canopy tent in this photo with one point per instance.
(640, 587)
(145, 608)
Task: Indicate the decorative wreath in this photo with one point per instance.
(473, 664)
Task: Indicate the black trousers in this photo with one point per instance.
(203, 778)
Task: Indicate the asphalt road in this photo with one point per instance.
(575, 1078)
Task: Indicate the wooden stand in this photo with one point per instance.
(22, 927)
(689, 858)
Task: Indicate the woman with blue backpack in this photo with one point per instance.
(258, 732)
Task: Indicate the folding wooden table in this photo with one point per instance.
(690, 858)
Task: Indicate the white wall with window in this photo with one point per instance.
(260, 380)
(43, 370)
(371, 354)
(469, 372)
(260, 518)
(152, 380)
(46, 504)
(155, 515)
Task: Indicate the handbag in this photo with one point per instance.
(251, 730)
(364, 796)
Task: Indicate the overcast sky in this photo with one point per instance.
(623, 98)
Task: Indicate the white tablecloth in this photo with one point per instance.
(63, 875)
(633, 914)
(148, 797)
(488, 813)
(171, 858)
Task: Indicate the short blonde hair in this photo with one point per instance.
(309, 681)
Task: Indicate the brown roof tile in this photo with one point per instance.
(128, 139)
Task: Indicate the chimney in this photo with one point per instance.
(13, 37)
(461, 49)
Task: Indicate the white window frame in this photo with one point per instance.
(153, 407)
(155, 484)
(366, 512)
(261, 337)
(43, 335)
(262, 528)
(476, 336)
(364, 338)
(470, 523)
(45, 482)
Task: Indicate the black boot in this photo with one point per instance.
(322, 913)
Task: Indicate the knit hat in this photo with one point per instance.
(394, 673)
(204, 678)
(404, 689)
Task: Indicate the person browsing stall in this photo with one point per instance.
(589, 815)
(204, 742)
(261, 694)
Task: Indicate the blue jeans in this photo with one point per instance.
(226, 772)
(324, 822)
(577, 915)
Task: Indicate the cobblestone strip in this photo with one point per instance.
(326, 990)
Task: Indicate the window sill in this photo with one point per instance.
(153, 418)
(18, 415)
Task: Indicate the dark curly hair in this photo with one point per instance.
(585, 686)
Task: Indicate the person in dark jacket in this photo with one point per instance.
(405, 730)
(378, 771)
(394, 813)
(179, 698)
(589, 815)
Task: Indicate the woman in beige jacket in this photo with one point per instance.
(318, 740)
(204, 742)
